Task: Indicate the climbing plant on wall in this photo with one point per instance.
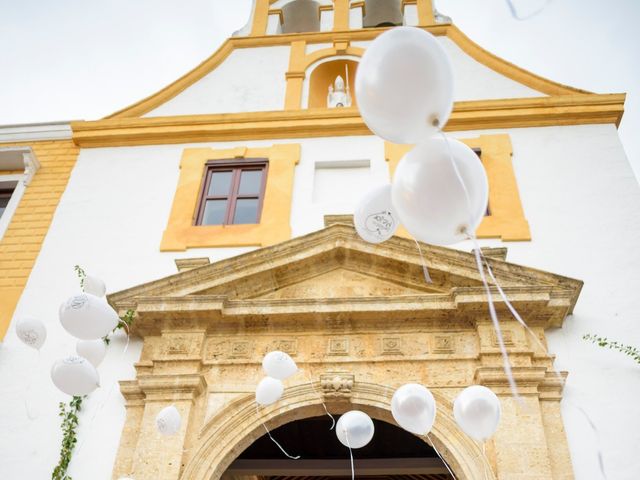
(604, 342)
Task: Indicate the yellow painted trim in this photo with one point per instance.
(508, 69)
(340, 15)
(260, 17)
(507, 220)
(425, 12)
(277, 11)
(274, 226)
(10, 172)
(260, 40)
(30, 223)
(295, 76)
(477, 115)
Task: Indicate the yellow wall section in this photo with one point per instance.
(507, 219)
(21, 243)
(274, 226)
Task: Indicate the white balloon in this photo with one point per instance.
(429, 197)
(375, 218)
(477, 412)
(88, 317)
(404, 85)
(414, 408)
(31, 331)
(354, 429)
(75, 376)
(92, 350)
(279, 365)
(94, 286)
(168, 421)
(269, 391)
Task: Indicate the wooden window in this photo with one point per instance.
(232, 192)
(5, 196)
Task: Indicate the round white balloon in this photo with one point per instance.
(94, 286)
(355, 429)
(168, 421)
(477, 412)
(92, 350)
(88, 317)
(279, 365)
(404, 85)
(75, 376)
(269, 391)
(430, 198)
(31, 331)
(375, 218)
(414, 408)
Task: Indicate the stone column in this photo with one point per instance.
(159, 457)
(519, 447)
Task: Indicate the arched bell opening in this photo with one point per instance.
(301, 16)
(393, 453)
(383, 13)
(332, 84)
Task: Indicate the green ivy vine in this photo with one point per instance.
(603, 342)
(81, 274)
(69, 414)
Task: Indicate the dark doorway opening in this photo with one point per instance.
(393, 453)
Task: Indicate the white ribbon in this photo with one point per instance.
(273, 439)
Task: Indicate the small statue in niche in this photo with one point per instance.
(339, 94)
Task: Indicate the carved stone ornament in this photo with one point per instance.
(336, 384)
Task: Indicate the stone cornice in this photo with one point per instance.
(449, 267)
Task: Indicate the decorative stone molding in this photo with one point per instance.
(346, 309)
(337, 384)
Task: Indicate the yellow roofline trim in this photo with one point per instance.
(491, 61)
(578, 109)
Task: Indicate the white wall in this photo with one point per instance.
(233, 87)
(579, 196)
(475, 81)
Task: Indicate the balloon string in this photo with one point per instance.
(425, 270)
(440, 456)
(492, 309)
(586, 415)
(273, 439)
(313, 387)
(517, 316)
(514, 11)
(496, 324)
(104, 402)
(487, 466)
(95, 414)
(28, 388)
(126, 345)
(353, 470)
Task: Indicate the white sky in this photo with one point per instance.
(84, 59)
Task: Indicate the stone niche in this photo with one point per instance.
(359, 320)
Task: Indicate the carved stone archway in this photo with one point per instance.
(232, 430)
(360, 321)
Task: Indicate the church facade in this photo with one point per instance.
(219, 210)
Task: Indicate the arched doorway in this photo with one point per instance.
(238, 426)
(392, 454)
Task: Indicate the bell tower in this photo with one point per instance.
(274, 17)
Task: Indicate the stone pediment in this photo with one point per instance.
(332, 271)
